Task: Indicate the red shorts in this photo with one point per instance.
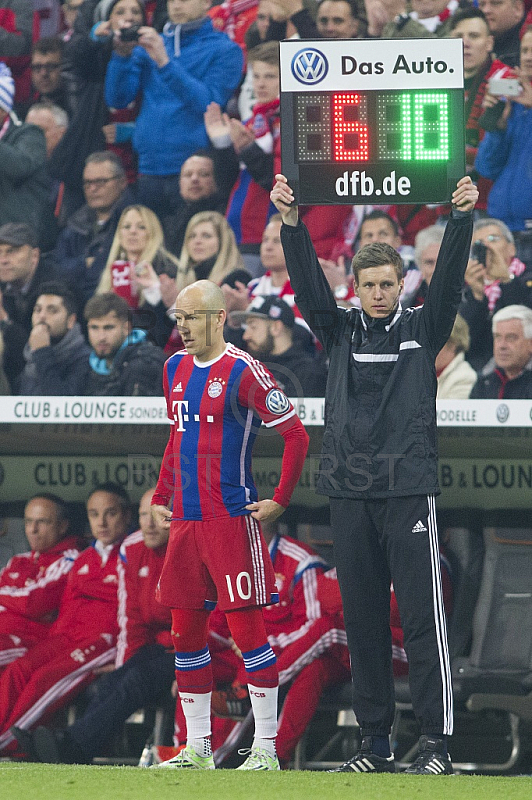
(224, 561)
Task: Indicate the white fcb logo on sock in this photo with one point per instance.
(277, 402)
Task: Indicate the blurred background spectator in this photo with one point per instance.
(494, 278)
(141, 271)
(209, 250)
(269, 324)
(56, 352)
(254, 151)
(505, 18)
(22, 271)
(426, 248)
(122, 360)
(47, 78)
(505, 156)
(178, 74)
(70, 9)
(198, 191)
(17, 29)
(471, 26)
(456, 377)
(509, 374)
(83, 246)
(24, 183)
(391, 19)
(86, 57)
(51, 119)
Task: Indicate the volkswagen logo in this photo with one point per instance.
(503, 412)
(309, 66)
(277, 402)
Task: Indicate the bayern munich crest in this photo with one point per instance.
(277, 402)
(309, 66)
(215, 389)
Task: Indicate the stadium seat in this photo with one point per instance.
(497, 674)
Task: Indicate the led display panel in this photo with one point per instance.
(363, 123)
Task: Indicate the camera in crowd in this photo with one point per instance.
(504, 87)
(130, 34)
(479, 252)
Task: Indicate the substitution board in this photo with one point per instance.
(372, 121)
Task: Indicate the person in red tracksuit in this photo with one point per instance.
(82, 639)
(142, 620)
(143, 671)
(32, 583)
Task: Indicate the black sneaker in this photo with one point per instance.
(432, 759)
(366, 761)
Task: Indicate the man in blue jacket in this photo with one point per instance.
(505, 157)
(178, 73)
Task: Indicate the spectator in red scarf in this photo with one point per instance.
(470, 25)
(256, 144)
(234, 17)
(141, 271)
(494, 278)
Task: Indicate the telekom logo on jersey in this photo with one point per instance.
(181, 414)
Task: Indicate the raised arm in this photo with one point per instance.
(445, 291)
(314, 297)
(282, 197)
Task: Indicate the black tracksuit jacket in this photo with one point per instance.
(380, 436)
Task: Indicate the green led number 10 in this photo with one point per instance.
(413, 126)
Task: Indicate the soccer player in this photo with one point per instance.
(379, 469)
(217, 396)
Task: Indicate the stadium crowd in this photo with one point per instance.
(138, 146)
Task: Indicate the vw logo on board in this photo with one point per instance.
(309, 66)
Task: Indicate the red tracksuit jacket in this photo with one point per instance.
(31, 587)
(89, 605)
(142, 620)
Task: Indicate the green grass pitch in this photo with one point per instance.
(27, 781)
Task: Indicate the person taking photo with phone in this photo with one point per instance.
(494, 278)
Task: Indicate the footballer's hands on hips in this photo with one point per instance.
(465, 195)
(161, 516)
(265, 510)
(282, 197)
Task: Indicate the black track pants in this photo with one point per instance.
(377, 542)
